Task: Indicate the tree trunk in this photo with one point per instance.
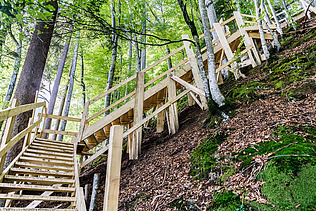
(262, 38)
(71, 85)
(238, 6)
(287, 15)
(169, 59)
(3, 35)
(199, 58)
(130, 58)
(279, 28)
(83, 86)
(275, 38)
(53, 96)
(114, 57)
(61, 108)
(143, 38)
(31, 74)
(95, 188)
(215, 92)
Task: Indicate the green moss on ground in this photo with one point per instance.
(226, 200)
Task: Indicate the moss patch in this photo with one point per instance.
(226, 200)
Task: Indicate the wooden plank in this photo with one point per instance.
(196, 100)
(111, 90)
(9, 112)
(39, 179)
(257, 35)
(248, 40)
(33, 209)
(110, 106)
(51, 146)
(51, 149)
(188, 86)
(113, 171)
(100, 135)
(47, 156)
(54, 141)
(162, 59)
(195, 68)
(18, 137)
(67, 146)
(138, 113)
(41, 172)
(163, 107)
(37, 197)
(173, 111)
(45, 161)
(227, 21)
(94, 156)
(92, 140)
(160, 120)
(67, 118)
(248, 16)
(40, 166)
(12, 186)
(49, 153)
(256, 27)
(65, 133)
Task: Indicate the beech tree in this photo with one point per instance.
(32, 71)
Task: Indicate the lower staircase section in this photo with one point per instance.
(44, 172)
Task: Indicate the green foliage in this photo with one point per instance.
(182, 204)
(248, 92)
(226, 200)
(203, 159)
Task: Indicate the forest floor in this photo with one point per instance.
(264, 154)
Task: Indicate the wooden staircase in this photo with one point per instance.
(45, 166)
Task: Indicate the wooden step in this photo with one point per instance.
(42, 180)
(43, 152)
(100, 135)
(54, 141)
(37, 197)
(41, 172)
(52, 146)
(47, 157)
(14, 187)
(50, 149)
(40, 166)
(45, 161)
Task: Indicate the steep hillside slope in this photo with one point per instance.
(264, 154)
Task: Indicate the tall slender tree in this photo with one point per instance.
(32, 71)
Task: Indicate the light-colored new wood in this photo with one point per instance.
(51, 146)
(188, 86)
(9, 112)
(67, 118)
(41, 166)
(94, 156)
(196, 100)
(41, 172)
(67, 159)
(38, 179)
(257, 35)
(45, 161)
(173, 110)
(54, 141)
(195, 68)
(67, 146)
(65, 133)
(43, 152)
(51, 149)
(160, 120)
(113, 171)
(12, 186)
(37, 197)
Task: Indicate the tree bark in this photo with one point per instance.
(275, 38)
(61, 108)
(275, 17)
(83, 86)
(262, 38)
(53, 96)
(95, 188)
(113, 64)
(199, 58)
(3, 35)
(31, 74)
(143, 38)
(215, 92)
(71, 85)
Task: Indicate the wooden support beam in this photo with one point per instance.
(196, 100)
(173, 110)
(248, 40)
(195, 68)
(113, 171)
(138, 114)
(94, 156)
(9, 112)
(188, 86)
(160, 120)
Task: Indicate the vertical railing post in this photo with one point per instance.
(138, 115)
(252, 53)
(173, 110)
(160, 120)
(7, 132)
(113, 171)
(195, 68)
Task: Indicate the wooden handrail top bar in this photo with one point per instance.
(111, 90)
(9, 112)
(134, 76)
(248, 16)
(251, 22)
(228, 20)
(162, 59)
(67, 118)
